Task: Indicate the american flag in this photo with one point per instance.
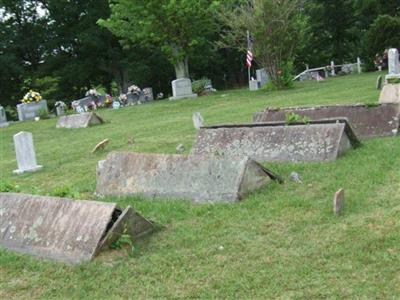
(249, 56)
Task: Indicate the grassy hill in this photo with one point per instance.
(281, 242)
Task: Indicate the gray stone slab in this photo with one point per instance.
(29, 111)
(393, 61)
(182, 88)
(65, 230)
(367, 121)
(201, 179)
(83, 120)
(262, 77)
(321, 140)
(3, 117)
(390, 93)
(25, 153)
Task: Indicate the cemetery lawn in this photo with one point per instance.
(280, 242)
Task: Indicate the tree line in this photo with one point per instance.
(62, 48)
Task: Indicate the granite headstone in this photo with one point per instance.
(182, 88)
(25, 151)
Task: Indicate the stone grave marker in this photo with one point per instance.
(367, 121)
(25, 152)
(393, 62)
(60, 108)
(198, 120)
(322, 140)
(338, 202)
(262, 77)
(3, 117)
(82, 120)
(182, 88)
(180, 149)
(29, 111)
(253, 85)
(65, 230)
(199, 178)
(379, 82)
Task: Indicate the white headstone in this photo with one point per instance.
(253, 85)
(198, 120)
(393, 61)
(262, 77)
(26, 157)
(3, 117)
(182, 88)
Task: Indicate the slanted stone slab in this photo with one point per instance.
(201, 179)
(367, 121)
(79, 120)
(390, 93)
(65, 230)
(317, 141)
(102, 145)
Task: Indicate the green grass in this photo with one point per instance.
(281, 242)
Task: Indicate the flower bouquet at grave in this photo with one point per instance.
(133, 89)
(31, 97)
(123, 99)
(109, 100)
(92, 92)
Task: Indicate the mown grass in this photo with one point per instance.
(281, 242)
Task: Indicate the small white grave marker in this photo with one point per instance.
(25, 151)
(198, 120)
(338, 202)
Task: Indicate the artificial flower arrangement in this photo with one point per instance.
(31, 96)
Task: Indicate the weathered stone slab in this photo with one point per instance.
(275, 141)
(367, 121)
(83, 120)
(201, 179)
(61, 229)
(390, 93)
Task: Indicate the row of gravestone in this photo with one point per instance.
(220, 168)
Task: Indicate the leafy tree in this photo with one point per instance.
(383, 33)
(277, 28)
(178, 27)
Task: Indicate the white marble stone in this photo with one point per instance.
(253, 85)
(182, 88)
(25, 151)
(393, 61)
(3, 117)
(262, 77)
(198, 120)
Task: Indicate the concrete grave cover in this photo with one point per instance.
(66, 230)
(276, 141)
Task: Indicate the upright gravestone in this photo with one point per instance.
(391, 90)
(3, 117)
(182, 88)
(198, 120)
(393, 61)
(25, 151)
(262, 77)
(29, 111)
(253, 85)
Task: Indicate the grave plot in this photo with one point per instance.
(83, 120)
(201, 179)
(322, 140)
(66, 230)
(367, 121)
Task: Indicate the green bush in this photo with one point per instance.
(199, 86)
(43, 114)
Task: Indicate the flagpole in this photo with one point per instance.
(248, 67)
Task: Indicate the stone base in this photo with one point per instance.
(4, 124)
(183, 97)
(390, 93)
(37, 168)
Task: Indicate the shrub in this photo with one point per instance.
(43, 114)
(199, 86)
